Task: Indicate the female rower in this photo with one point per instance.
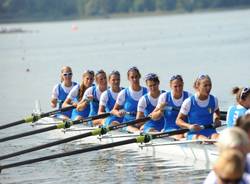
(229, 168)
(76, 94)
(61, 90)
(200, 109)
(92, 96)
(127, 100)
(243, 104)
(108, 98)
(232, 138)
(169, 104)
(148, 102)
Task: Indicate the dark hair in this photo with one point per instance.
(152, 77)
(134, 69)
(241, 93)
(243, 122)
(99, 72)
(114, 72)
(176, 77)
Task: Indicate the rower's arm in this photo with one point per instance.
(180, 121)
(101, 109)
(82, 105)
(217, 117)
(53, 102)
(157, 113)
(67, 102)
(116, 111)
(140, 115)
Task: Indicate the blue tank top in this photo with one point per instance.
(157, 124)
(233, 113)
(201, 115)
(94, 104)
(84, 113)
(61, 98)
(111, 101)
(171, 114)
(62, 94)
(130, 104)
(109, 106)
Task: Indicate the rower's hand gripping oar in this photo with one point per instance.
(97, 131)
(140, 139)
(63, 124)
(35, 117)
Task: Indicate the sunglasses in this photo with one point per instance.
(178, 77)
(244, 93)
(67, 74)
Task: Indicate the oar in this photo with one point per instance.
(63, 124)
(35, 117)
(97, 131)
(140, 139)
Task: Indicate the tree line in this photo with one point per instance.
(14, 10)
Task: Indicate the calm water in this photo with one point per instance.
(217, 44)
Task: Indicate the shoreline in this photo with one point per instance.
(120, 15)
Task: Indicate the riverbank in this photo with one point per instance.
(116, 15)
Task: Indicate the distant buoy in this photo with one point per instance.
(74, 27)
(27, 69)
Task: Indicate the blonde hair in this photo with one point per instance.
(199, 79)
(230, 164)
(232, 138)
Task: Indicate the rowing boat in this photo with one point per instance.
(195, 150)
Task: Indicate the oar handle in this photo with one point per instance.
(64, 109)
(99, 116)
(170, 133)
(124, 124)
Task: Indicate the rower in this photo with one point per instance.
(148, 102)
(243, 104)
(199, 110)
(61, 90)
(92, 96)
(108, 99)
(232, 138)
(76, 94)
(229, 168)
(128, 99)
(172, 99)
